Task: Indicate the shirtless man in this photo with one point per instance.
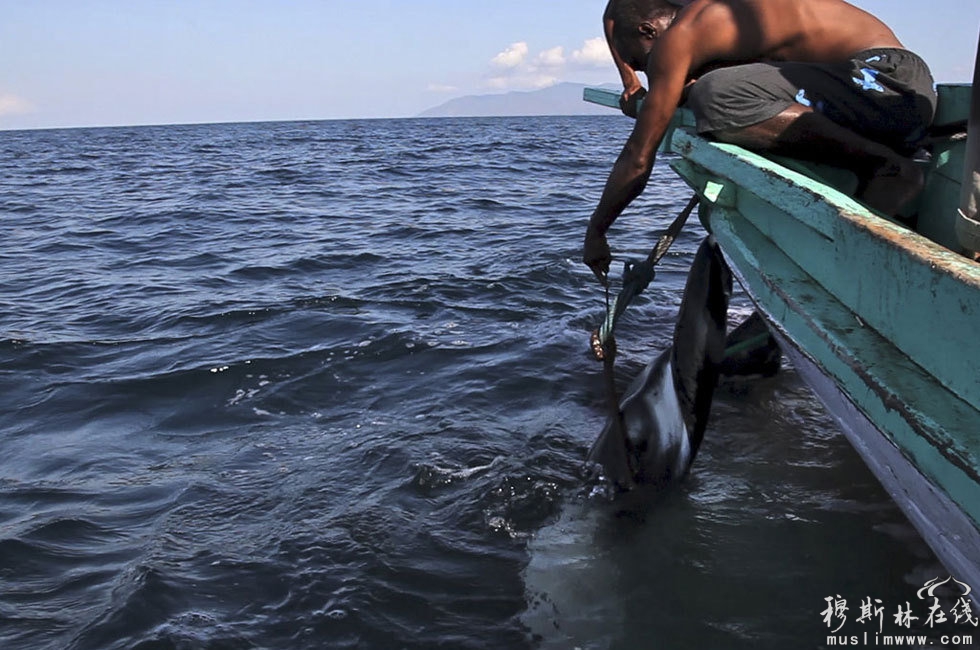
(821, 80)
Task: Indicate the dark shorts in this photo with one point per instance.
(886, 94)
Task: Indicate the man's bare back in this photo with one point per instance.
(740, 31)
(790, 30)
(787, 61)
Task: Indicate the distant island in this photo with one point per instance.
(560, 99)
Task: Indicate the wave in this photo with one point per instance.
(269, 384)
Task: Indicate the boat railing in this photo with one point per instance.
(937, 213)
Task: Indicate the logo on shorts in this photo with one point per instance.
(869, 80)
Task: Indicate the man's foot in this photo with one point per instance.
(893, 185)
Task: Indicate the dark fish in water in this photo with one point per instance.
(665, 409)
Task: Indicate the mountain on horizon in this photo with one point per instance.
(560, 99)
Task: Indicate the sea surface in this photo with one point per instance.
(327, 385)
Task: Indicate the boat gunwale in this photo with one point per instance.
(921, 248)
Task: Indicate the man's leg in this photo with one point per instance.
(770, 107)
(886, 180)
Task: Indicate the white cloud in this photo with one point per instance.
(517, 68)
(553, 58)
(512, 57)
(523, 81)
(13, 105)
(542, 81)
(594, 52)
(441, 88)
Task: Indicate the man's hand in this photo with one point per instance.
(629, 101)
(597, 255)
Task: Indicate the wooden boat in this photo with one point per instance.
(882, 321)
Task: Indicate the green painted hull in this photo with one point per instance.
(883, 322)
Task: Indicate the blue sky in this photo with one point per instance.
(83, 63)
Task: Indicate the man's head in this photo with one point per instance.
(636, 25)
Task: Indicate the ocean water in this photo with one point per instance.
(327, 385)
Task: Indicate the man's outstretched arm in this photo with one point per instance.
(670, 62)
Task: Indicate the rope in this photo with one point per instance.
(637, 276)
(608, 352)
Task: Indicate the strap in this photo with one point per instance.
(636, 278)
